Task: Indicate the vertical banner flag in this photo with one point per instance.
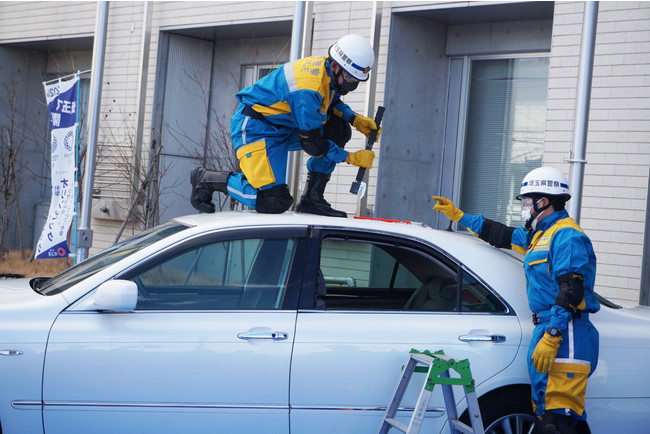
(62, 106)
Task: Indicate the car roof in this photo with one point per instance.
(232, 219)
(243, 218)
(455, 244)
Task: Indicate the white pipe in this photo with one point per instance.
(371, 89)
(99, 48)
(583, 97)
(295, 54)
(141, 91)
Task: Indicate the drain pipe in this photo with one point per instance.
(583, 97)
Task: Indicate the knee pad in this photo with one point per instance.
(313, 143)
(274, 200)
(337, 130)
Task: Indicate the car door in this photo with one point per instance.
(207, 348)
(372, 299)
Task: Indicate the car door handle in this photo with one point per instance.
(482, 338)
(276, 336)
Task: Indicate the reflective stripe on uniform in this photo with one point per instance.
(234, 192)
(290, 77)
(243, 130)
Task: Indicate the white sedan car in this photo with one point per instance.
(243, 323)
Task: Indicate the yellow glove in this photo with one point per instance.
(447, 207)
(545, 352)
(365, 125)
(362, 158)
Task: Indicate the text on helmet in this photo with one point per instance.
(544, 183)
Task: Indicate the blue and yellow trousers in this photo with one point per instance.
(562, 390)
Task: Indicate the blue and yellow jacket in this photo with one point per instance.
(556, 247)
(298, 95)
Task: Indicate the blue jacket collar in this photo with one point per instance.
(550, 219)
(328, 69)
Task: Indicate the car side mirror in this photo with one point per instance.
(116, 295)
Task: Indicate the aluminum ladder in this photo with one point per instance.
(437, 366)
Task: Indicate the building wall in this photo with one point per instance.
(35, 21)
(618, 141)
(618, 151)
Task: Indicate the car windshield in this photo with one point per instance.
(105, 258)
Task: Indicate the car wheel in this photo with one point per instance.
(515, 423)
(509, 412)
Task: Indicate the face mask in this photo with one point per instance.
(348, 86)
(348, 82)
(527, 213)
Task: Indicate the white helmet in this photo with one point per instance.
(545, 181)
(355, 55)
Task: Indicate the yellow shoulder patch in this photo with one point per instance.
(310, 73)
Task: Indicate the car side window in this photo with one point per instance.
(237, 274)
(474, 297)
(381, 276)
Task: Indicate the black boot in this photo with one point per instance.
(312, 200)
(553, 423)
(204, 183)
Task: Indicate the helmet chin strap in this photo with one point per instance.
(345, 86)
(531, 223)
(335, 77)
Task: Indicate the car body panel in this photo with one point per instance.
(64, 363)
(622, 346)
(352, 361)
(25, 321)
(184, 362)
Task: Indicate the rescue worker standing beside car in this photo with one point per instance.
(560, 267)
(297, 106)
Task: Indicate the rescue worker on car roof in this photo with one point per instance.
(560, 267)
(297, 106)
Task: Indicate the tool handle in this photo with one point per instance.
(354, 188)
(373, 134)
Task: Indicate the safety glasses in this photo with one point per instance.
(349, 78)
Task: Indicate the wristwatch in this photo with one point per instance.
(554, 331)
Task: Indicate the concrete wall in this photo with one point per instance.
(416, 100)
